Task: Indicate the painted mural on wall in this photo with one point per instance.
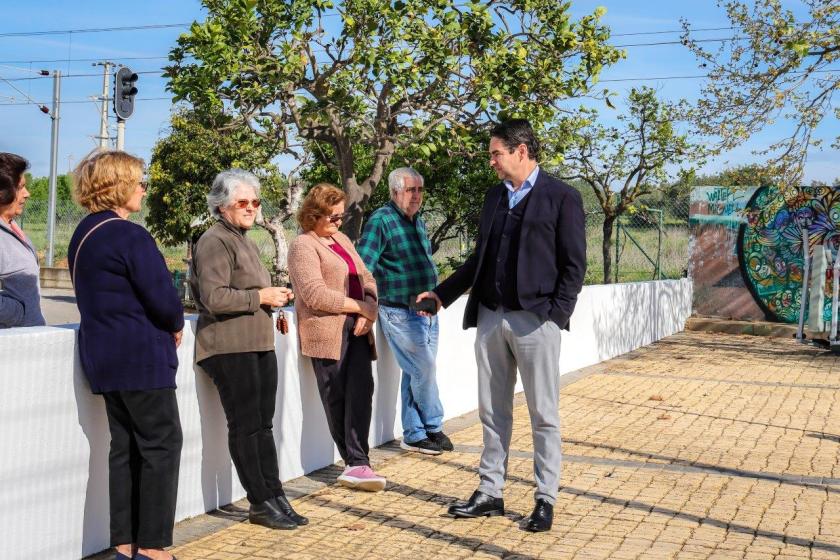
(770, 247)
(746, 250)
(715, 217)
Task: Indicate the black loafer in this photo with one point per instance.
(268, 514)
(283, 505)
(541, 518)
(480, 505)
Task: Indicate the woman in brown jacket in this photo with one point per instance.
(336, 307)
(235, 341)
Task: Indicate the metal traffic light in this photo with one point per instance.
(124, 92)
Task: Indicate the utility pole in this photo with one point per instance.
(104, 137)
(120, 134)
(55, 116)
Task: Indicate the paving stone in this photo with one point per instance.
(698, 446)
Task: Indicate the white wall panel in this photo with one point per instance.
(54, 435)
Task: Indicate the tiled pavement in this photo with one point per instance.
(699, 446)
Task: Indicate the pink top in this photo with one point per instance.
(355, 285)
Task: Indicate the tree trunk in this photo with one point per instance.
(606, 247)
(357, 197)
(274, 226)
(280, 268)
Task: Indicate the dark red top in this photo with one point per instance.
(355, 285)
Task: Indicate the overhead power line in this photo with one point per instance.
(75, 101)
(163, 57)
(175, 25)
(671, 32)
(157, 72)
(659, 43)
(94, 30)
(49, 60)
(608, 80)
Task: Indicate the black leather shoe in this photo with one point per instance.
(541, 518)
(283, 505)
(480, 505)
(269, 515)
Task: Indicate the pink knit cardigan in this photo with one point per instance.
(320, 280)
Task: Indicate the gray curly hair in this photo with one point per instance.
(224, 186)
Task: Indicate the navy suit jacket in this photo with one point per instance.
(552, 253)
(128, 306)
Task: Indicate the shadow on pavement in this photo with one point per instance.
(666, 408)
(651, 508)
(817, 483)
(468, 543)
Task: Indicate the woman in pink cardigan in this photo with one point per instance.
(336, 307)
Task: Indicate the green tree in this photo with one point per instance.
(455, 186)
(387, 75)
(748, 175)
(775, 67)
(621, 165)
(183, 166)
(39, 188)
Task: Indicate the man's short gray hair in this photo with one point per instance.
(397, 177)
(224, 187)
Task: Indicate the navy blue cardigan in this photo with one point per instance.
(128, 305)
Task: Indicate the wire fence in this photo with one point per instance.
(647, 243)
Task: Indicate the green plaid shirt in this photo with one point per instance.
(398, 253)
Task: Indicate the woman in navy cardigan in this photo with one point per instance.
(131, 324)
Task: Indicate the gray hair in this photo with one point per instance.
(224, 187)
(397, 177)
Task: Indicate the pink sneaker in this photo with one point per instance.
(362, 478)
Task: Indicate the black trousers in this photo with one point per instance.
(346, 388)
(247, 383)
(143, 465)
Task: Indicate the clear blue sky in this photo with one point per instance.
(26, 131)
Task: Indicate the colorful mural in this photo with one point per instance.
(746, 255)
(770, 247)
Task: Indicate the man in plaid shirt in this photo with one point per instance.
(396, 249)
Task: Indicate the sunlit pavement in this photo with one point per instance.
(699, 446)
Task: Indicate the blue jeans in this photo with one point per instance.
(414, 341)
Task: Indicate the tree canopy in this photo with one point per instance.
(184, 164)
(623, 163)
(453, 186)
(384, 74)
(775, 67)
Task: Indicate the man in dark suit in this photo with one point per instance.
(525, 274)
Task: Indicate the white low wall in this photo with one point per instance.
(54, 435)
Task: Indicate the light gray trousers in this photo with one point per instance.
(506, 340)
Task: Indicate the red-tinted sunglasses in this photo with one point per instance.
(243, 204)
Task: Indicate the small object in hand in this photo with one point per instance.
(428, 305)
(282, 323)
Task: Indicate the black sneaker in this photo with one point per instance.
(442, 440)
(425, 446)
